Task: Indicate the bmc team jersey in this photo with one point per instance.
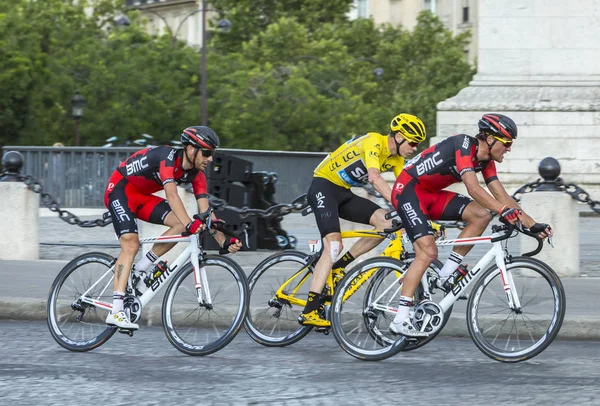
(129, 193)
(347, 166)
(417, 194)
(150, 169)
(443, 164)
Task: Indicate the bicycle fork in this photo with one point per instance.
(508, 282)
(201, 284)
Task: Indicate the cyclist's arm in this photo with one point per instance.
(217, 235)
(372, 147)
(175, 203)
(503, 197)
(380, 184)
(479, 194)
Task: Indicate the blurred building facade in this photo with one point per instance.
(457, 15)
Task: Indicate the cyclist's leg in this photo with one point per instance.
(454, 206)
(120, 199)
(156, 210)
(364, 211)
(412, 203)
(324, 198)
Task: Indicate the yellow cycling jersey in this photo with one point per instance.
(347, 166)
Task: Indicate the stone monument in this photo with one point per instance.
(538, 63)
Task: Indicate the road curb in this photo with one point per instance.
(573, 328)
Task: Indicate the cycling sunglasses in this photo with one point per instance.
(413, 144)
(507, 143)
(207, 152)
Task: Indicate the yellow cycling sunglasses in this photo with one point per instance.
(507, 143)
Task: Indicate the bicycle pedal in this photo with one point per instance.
(324, 330)
(125, 331)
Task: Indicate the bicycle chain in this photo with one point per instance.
(49, 201)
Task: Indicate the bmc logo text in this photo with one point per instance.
(411, 213)
(122, 216)
(428, 164)
(320, 200)
(465, 144)
(136, 166)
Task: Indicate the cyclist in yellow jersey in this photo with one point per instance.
(355, 163)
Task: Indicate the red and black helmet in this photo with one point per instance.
(200, 136)
(498, 125)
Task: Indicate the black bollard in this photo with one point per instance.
(549, 169)
(12, 162)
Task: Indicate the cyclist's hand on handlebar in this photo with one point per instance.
(510, 215)
(542, 230)
(194, 226)
(231, 246)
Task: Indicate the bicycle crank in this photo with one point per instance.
(429, 317)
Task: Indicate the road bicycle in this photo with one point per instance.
(515, 308)
(279, 288)
(203, 307)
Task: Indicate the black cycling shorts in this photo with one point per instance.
(330, 202)
(416, 205)
(126, 204)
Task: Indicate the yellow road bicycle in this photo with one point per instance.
(279, 288)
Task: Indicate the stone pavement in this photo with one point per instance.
(25, 284)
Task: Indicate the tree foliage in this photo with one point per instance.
(293, 75)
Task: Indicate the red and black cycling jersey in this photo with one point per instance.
(443, 164)
(150, 169)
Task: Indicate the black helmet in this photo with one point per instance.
(498, 125)
(200, 136)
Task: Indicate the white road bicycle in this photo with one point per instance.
(203, 307)
(515, 308)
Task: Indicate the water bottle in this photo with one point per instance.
(155, 272)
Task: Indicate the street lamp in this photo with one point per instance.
(77, 105)
(223, 25)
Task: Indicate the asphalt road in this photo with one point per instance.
(147, 370)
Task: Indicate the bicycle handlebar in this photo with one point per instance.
(509, 228)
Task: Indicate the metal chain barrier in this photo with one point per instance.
(571, 189)
(275, 211)
(51, 203)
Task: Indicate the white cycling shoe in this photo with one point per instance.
(406, 328)
(121, 320)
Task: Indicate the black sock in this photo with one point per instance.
(344, 261)
(312, 302)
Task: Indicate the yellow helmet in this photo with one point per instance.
(411, 127)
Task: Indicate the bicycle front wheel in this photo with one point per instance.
(74, 322)
(201, 324)
(513, 335)
(365, 301)
(273, 312)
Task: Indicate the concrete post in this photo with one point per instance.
(548, 204)
(560, 211)
(154, 230)
(19, 213)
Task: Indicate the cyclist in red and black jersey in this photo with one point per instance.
(129, 197)
(419, 198)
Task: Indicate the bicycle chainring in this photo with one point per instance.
(430, 314)
(133, 306)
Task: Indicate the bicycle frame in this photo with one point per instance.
(495, 253)
(393, 250)
(192, 252)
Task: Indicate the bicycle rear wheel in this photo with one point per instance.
(73, 323)
(362, 305)
(196, 328)
(510, 335)
(272, 319)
